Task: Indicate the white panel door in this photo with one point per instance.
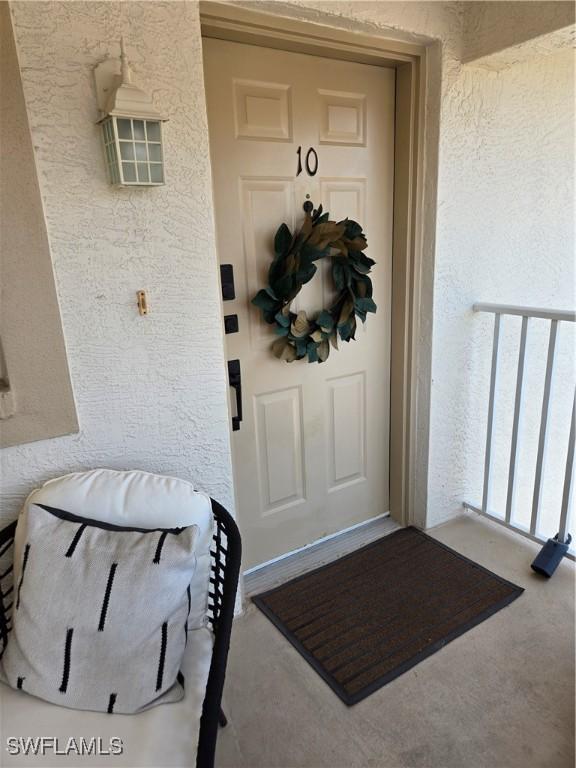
(311, 455)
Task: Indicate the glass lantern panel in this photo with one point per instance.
(141, 151)
(153, 130)
(129, 171)
(139, 134)
(143, 172)
(124, 128)
(156, 173)
(155, 153)
(127, 150)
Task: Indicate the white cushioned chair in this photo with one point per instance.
(179, 734)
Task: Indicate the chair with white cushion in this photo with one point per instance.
(177, 734)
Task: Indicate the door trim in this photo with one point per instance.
(409, 393)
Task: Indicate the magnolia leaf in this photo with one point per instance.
(290, 264)
(361, 262)
(366, 305)
(348, 329)
(353, 229)
(344, 331)
(283, 350)
(289, 353)
(340, 245)
(300, 327)
(301, 347)
(284, 286)
(271, 293)
(282, 318)
(307, 227)
(323, 350)
(357, 244)
(280, 330)
(325, 233)
(278, 346)
(325, 320)
(312, 353)
(334, 340)
(316, 335)
(322, 219)
(306, 272)
(338, 275)
(312, 252)
(353, 327)
(346, 311)
(282, 240)
(264, 300)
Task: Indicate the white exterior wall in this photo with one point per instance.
(151, 392)
(505, 235)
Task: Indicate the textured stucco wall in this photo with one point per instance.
(150, 391)
(506, 235)
(37, 370)
(492, 27)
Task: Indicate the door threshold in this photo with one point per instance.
(292, 564)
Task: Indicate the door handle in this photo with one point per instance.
(235, 381)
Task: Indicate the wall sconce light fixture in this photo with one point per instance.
(131, 127)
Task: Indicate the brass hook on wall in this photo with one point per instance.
(142, 302)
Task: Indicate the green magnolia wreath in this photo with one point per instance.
(293, 266)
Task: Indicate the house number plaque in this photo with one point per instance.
(311, 166)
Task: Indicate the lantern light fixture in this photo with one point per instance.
(131, 127)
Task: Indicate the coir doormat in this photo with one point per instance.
(370, 616)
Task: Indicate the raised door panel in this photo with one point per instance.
(343, 198)
(346, 418)
(262, 110)
(264, 202)
(342, 118)
(280, 449)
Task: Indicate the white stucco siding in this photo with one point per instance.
(150, 391)
(506, 235)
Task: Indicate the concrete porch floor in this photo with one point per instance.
(500, 696)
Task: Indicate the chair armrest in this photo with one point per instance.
(226, 556)
(6, 581)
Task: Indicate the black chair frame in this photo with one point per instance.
(226, 553)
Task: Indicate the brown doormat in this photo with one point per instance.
(370, 616)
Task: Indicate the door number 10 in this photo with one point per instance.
(310, 161)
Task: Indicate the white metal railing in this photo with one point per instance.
(555, 317)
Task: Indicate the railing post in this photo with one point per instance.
(490, 425)
(543, 426)
(516, 423)
(562, 516)
(568, 476)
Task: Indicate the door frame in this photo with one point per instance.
(409, 393)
